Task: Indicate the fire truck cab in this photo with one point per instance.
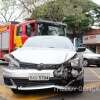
(14, 34)
(23, 31)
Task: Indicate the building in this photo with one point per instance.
(91, 39)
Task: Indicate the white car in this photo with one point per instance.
(91, 58)
(44, 62)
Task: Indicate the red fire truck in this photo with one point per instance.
(6, 38)
(14, 34)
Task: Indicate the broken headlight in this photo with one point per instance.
(75, 61)
(68, 68)
(13, 63)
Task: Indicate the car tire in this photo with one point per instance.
(15, 91)
(80, 85)
(77, 86)
(85, 63)
(98, 65)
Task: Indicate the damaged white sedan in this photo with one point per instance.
(44, 62)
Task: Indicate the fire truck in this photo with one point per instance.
(24, 30)
(6, 38)
(14, 34)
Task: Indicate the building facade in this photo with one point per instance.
(91, 39)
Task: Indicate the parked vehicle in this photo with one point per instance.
(91, 58)
(6, 38)
(13, 35)
(51, 28)
(30, 28)
(23, 31)
(45, 62)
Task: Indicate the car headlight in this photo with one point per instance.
(70, 67)
(13, 63)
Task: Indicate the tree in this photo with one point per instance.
(73, 12)
(81, 20)
(11, 11)
(31, 6)
(51, 10)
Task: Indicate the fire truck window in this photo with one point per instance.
(50, 29)
(19, 31)
(28, 30)
(43, 29)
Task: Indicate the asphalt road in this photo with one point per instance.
(91, 90)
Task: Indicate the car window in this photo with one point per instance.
(19, 30)
(49, 42)
(46, 29)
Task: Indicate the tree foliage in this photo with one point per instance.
(78, 14)
(73, 12)
(12, 10)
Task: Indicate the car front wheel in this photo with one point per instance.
(98, 65)
(80, 85)
(15, 91)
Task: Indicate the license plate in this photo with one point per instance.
(39, 76)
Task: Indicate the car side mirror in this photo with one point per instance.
(81, 49)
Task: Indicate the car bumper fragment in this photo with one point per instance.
(19, 79)
(38, 88)
(18, 73)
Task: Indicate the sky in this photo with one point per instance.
(96, 1)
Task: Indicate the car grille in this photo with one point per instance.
(29, 83)
(25, 82)
(38, 66)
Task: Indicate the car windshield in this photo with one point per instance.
(49, 42)
(50, 29)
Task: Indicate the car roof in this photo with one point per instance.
(52, 23)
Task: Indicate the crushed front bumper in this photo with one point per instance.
(39, 87)
(19, 79)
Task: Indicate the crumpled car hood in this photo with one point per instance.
(43, 55)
